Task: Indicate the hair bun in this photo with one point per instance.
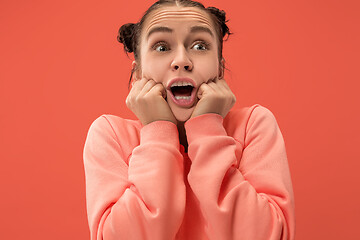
(221, 17)
(220, 14)
(126, 36)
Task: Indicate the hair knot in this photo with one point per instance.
(221, 18)
(126, 36)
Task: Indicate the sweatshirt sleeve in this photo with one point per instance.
(245, 192)
(144, 199)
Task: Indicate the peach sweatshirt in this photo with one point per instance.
(234, 182)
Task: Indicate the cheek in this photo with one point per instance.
(153, 68)
(208, 67)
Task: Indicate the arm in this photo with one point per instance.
(135, 201)
(245, 192)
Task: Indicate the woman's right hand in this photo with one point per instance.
(147, 101)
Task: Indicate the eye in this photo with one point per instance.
(201, 46)
(161, 47)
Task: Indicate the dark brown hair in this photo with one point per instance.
(129, 34)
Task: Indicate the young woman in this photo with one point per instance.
(188, 168)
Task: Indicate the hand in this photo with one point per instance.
(215, 97)
(147, 101)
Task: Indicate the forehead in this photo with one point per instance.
(177, 13)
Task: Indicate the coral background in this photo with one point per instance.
(61, 67)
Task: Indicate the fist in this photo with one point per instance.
(146, 100)
(214, 96)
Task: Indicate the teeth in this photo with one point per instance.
(182, 97)
(181, 84)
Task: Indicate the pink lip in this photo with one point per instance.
(182, 102)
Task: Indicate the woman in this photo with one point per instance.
(188, 168)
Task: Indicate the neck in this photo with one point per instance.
(182, 135)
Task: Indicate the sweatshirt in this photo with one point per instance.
(233, 183)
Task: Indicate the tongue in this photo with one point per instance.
(182, 91)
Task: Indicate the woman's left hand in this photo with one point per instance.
(214, 96)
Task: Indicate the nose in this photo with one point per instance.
(181, 61)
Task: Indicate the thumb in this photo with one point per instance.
(201, 90)
(163, 90)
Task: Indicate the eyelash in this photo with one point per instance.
(158, 44)
(162, 43)
(205, 44)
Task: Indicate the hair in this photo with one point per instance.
(129, 34)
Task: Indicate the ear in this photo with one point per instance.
(221, 68)
(136, 70)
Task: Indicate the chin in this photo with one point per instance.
(183, 114)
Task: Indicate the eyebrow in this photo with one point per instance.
(159, 29)
(201, 29)
(194, 29)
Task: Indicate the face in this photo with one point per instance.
(179, 48)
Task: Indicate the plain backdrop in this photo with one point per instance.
(61, 67)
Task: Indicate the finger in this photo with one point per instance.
(221, 86)
(210, 83)
(211, 80)
(226, 88)
(141, 82)
(137, 86)
(158, 89)
(223, 82)
(203, 89)
(215, 86)
(147, 87)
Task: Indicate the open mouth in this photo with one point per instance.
(182, 92)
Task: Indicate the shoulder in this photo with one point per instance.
(240, 121)
(124, 131)
(121, 125)
(245, 113)
(115, 123)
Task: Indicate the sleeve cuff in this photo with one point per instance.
(160, 131)
(205, 125)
